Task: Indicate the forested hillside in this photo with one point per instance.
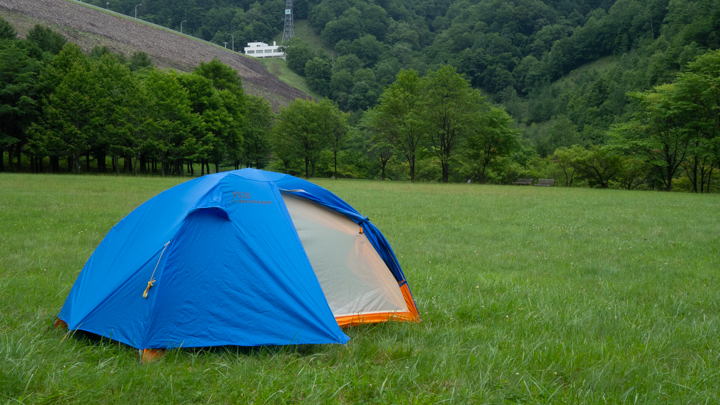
(515, 51)
(512, 50)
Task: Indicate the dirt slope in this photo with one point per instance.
(88, 28)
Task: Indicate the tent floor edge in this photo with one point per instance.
(354, 320)
(151, 355)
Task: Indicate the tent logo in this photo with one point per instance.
(240, 194)
(242, 197)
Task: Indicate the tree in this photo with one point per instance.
(657, 132)
(319, 73)
(561, 133)
(257, 131)
(299, 133)
(699, 87)
(634, 173)
(205, 102)
(140, 60)
(70, 115)
(452, 110)
(400, 117)
(50, 78)
(297, 54)
(47, 39)
(6, 30)
(492, 138)
(121, 103)
(170, 117)
(599, 165)
(333, 123)
(18, 96)
(228, 119)
(379, 145)
(563, 157)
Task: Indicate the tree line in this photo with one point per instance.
(57, 103)
(62, 110)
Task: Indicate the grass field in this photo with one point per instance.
(527, 295)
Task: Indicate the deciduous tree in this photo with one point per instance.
(399, 115)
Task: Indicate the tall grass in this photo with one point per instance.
(527, 295)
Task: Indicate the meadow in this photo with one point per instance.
(527, 295)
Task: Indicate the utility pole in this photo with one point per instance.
(289, 30)
(233, 42)
(181, 25)
(107, 6)
(136, 10)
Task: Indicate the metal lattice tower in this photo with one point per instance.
(289, 31)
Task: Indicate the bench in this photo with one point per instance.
(524, 182)
(545, 182)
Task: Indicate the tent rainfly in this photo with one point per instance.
(244, 258)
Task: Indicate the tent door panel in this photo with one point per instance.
(353, 276)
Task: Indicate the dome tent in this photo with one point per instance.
(244, 258)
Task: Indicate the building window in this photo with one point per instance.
(249, 51)
(268, 51)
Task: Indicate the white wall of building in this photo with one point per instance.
(263, 50)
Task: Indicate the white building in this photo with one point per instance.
(263, 50)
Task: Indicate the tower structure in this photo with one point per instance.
(289, 30)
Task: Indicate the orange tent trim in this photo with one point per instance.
(150, 355)
(360, 319)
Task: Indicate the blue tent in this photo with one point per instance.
(244, 258)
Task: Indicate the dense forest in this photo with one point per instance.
(596, 93)
(514, 51)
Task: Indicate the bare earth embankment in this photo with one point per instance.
(89, 28)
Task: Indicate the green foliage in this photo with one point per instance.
(47, 39)
(452, 110)
(598, 165)
(297, 54)
(304, 129)
(657, 132)
(6, 30)
(71, 106)
(19, 69)
(442, 116)
(140, 60)
(399, 117)
(223, 76)
(493, 138)
(427, 124)
(527, 47)
(319, 73)
(257, 132)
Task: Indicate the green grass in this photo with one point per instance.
(279, 68)
(527, 295)
(304, 31)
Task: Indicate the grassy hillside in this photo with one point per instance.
(279, 68)
(304, 31)
(527, 295)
